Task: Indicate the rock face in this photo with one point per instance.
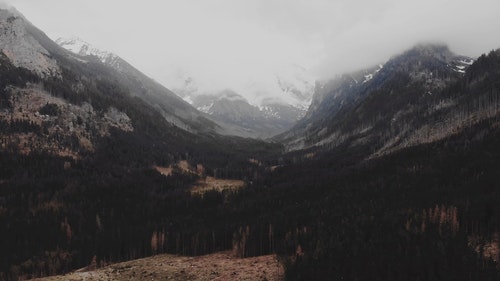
(21, 48)
(44, 109)
(35, 121)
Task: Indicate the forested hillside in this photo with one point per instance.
(394, 178)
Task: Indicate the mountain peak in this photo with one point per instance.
(438, 51)
(18, 43)
(80, 47)
(428, 58)
(12, 10)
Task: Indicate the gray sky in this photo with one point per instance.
(233, 43)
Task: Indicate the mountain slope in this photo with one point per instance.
(424, 208)
(238, 118)
(172, 108)
(387, 111)
(92, 175)
(81, 152)
(22, 47)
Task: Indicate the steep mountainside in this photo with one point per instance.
(233, 116)
(387, 107)
(172, 108)
(425, 207)
(87, 158)
(398, 179)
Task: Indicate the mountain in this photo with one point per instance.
(76, 100)
(89, 153)
(172, 108)
(281, 103)
(22, 48)
(82, 48)
(394, 175)
(234, 113)
(238, 118)
(386, 107)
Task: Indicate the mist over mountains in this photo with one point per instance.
(280, 106)
(390, 174)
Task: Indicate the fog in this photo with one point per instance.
(243, 44)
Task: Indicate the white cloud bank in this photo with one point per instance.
(233, 44)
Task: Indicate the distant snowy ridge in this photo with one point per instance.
(82, 48)
(291, 85)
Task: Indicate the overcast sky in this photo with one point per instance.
(230, 43)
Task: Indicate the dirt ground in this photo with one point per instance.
(218, 266)
(210, 183)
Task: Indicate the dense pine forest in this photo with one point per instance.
(96, 175)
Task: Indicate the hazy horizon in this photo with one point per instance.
(242, 45)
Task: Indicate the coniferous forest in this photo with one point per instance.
(426, 211)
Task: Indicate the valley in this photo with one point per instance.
(391, 174)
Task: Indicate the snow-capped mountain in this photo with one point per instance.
(239, 117)
(273, 106)
(174, 109)
(291, 85)
(296, 85)
(82, 48)
(280, 103)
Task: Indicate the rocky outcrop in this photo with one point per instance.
(21, 48)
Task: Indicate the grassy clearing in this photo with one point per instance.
(218, 266)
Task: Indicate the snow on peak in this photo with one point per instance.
(289, 85)
(82, 48)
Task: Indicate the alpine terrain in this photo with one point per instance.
(390, 174)
(285, 101)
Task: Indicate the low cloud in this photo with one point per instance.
(5, 5)
(234, 44)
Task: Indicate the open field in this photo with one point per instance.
(218, 266)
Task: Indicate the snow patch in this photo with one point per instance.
(206, 108)
(467, 61)
(188, 99)
(82, 48)
(370, 76)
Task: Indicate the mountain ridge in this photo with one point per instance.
(174, 109)
(391, 176)
(273, 113)
(249, 121)
(345, 107)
